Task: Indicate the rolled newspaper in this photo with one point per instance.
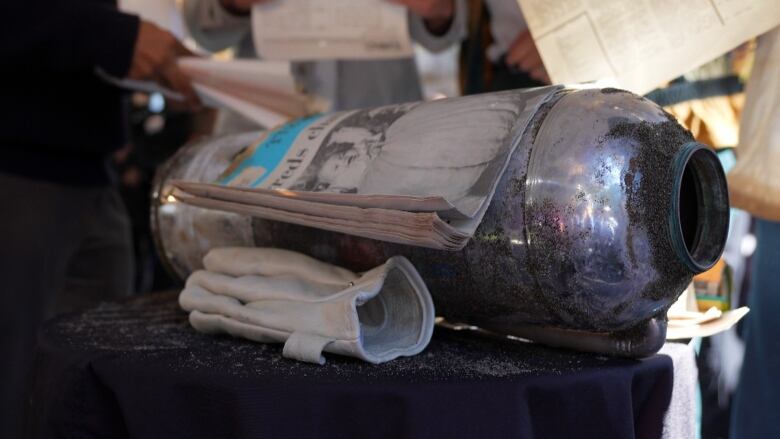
(754, 184)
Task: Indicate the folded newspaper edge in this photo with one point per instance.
(418, 229)
(252, 81)
(409, 203)
(324, 210)
(262, 91)
(258, 114)
(274, 75)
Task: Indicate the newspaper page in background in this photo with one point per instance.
(640, 44)
(300, 30)
(262, 91)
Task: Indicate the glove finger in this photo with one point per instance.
(256, 288)
(196, 297)
(279, 315)
(241, 261)
(336, 319)
(219, 324)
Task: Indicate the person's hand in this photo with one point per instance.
(437, 14)
(240, 7)
(524, 56)
(154, 58)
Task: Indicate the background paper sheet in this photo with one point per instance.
(330, 29)
(640, 43)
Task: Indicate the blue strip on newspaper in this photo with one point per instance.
(269, 153)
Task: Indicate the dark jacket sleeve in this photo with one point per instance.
(66, 36)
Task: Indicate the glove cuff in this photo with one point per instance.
(394, 313)
(398, 319)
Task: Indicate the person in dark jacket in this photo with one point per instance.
(64, 234)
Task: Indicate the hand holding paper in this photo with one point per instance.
(154, 58)
(524, 55)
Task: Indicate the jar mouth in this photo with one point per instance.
(699, 214)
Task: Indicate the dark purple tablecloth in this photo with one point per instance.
(138, 370)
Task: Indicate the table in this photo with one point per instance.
(138, 370)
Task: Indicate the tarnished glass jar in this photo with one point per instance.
(605, 212)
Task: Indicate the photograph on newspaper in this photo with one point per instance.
(452, 149)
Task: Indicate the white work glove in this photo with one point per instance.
(272, 295)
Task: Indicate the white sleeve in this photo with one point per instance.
(212, 26)
(436, 43)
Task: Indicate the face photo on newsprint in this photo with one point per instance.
(348, 149)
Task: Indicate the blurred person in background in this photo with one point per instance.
(64, 232)
(435, 24)
(755, 187)
(499, 53)
(158, 128)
